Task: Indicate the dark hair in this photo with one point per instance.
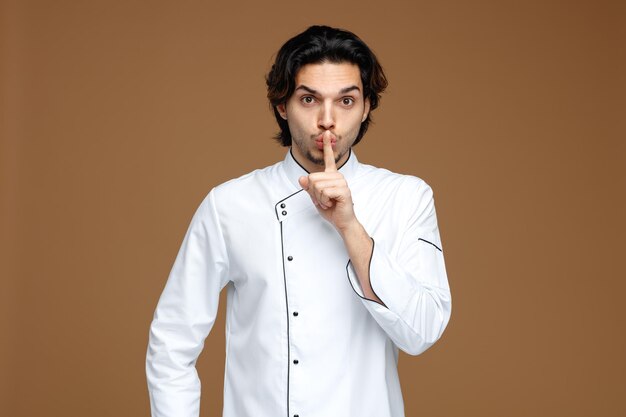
(315, 45)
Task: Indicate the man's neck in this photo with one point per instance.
(311, 166)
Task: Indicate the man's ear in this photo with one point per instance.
(282, 110)
(366, 109)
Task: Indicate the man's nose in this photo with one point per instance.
(326, 119)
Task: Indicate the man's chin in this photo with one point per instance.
(320, 161)
(314, 160)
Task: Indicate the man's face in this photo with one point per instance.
(327, 97)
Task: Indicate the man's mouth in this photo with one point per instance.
(319, 141)
(320, 144)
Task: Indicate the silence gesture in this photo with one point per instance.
(329, 190)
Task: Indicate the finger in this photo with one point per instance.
(339, 185)
(309, 187)
(328, 197)
(320, 184)
(316, 177)
(304, 182)
(329, 155)
(316, 197)
(315, 200)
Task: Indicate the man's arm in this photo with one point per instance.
(407, 295)
(330, 193)
(185, 315)
(412, 283)
(360, 246)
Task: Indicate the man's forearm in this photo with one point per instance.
(359, 245)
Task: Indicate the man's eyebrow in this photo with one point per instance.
(305, 88)
(342, 91)
(348, 89)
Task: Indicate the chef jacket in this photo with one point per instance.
(301, 338)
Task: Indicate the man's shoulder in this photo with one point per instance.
(259, 174)
(373, 177)
(254, 182)
(400, 193)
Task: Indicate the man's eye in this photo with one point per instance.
(347, 101)
(307, 99)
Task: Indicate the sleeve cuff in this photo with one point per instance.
(393, 289)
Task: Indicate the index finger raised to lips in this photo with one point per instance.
(329, 156)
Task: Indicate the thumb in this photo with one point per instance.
(304, 182)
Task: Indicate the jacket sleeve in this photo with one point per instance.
(185, 315)
(412, 283)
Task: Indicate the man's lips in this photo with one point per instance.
(319, 141)
(320, 137)
(320, 144)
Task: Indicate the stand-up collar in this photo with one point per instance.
(293, 170)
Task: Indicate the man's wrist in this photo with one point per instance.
(352, 229)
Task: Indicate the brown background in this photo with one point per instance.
(118, 117)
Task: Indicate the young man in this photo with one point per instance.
(330, 265)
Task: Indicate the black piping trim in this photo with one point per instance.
(296, 161)
(282, 248)
(289, 196)
(305, 170)
(424, 240)
(349, 156)
(369, 269)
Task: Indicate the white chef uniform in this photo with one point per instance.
(301, 339)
